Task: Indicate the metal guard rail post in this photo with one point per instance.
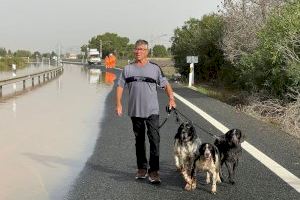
(52, 72)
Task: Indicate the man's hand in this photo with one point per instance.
(172, 103)
(119, 110)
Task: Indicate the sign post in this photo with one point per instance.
(191, 60)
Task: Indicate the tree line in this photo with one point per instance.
(120, 46)
(252, 45)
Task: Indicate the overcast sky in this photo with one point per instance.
(42, 25)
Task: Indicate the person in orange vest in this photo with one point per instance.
(106, 61)
(112, 60)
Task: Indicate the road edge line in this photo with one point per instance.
(276, 168)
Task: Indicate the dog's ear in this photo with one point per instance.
(240, 135)
(180, 128)
(214, 152)
(193, 130)
(230, 133)
(217, 140)
(201, 149)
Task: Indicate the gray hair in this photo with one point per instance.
(141, 42)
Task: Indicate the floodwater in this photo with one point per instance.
(48, 133)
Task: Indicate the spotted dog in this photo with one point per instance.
(230, 149)
(185, 145)
(207, 160)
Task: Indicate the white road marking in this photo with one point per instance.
(280, 171)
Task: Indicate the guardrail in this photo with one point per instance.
(47, 74)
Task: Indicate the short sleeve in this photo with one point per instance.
(162, 80)
(121, 81)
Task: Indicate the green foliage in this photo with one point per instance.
(3, 52)
(111, 43)
(274, 66)
(6, 62)
(22, 53)
(201, 38)
(160, 51)
(53, 54)
(36, 54)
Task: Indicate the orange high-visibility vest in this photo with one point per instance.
(113, 60)
(106, 61)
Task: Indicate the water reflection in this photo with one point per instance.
(97, 76)
(14, 107)
(94, 76)
(14, 89)
(109, 78)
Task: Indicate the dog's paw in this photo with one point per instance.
(214, 189)
(189, 187)
(194, 184)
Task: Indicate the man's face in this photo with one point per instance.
(141, 52)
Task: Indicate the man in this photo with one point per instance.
(142, 78)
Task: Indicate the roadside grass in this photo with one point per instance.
(285, 116)
(221, 94)
(6, 62)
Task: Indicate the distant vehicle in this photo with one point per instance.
(93, 57)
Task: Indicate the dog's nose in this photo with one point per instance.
(206, 154)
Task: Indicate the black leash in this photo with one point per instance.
(168, 110)
(165, 120)
(179, 120)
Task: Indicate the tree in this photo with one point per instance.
(274, 66)
(243, 19)
(53, 54)
(159, 51)
(36, 54)
(83, 49)
(200, 38)
(22, 53)
(3, 52)
(46, 55)
(262, 40)
(111, 43)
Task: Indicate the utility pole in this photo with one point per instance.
(58, 56)
(100, 49)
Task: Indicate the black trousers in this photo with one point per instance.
(139, 129)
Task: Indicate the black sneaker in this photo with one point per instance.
(154, 177)
(141, 174)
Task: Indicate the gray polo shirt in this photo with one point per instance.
(143, 100)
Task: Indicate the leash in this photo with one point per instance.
(165, 120)
(179, 120)
(168, 110)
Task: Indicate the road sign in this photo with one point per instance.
(192, 59)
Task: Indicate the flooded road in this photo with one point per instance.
(48, 133)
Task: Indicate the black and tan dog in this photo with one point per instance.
(186, 144)
(230, 149)
(207, 160)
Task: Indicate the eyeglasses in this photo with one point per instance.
(140, 49)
